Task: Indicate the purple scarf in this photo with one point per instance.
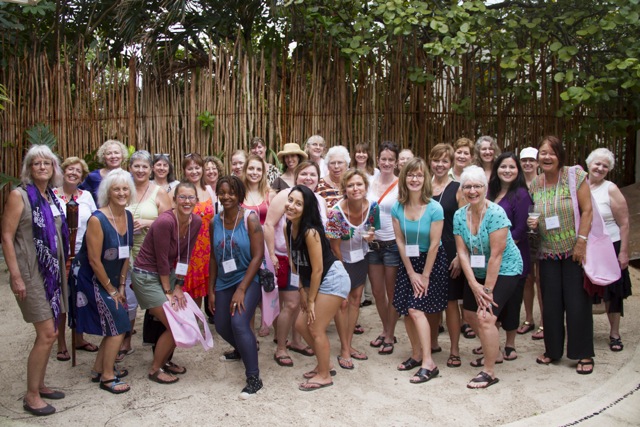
(44, 238)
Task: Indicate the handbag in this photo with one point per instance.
(266, 276)
(601, 263)
(184, 325)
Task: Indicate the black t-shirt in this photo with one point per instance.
(300, 256)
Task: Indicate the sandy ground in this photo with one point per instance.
(374, 393)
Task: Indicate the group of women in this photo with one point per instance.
(427, 235)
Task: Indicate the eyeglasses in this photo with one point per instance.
(415, 176)
(316, 145)
(476, 187)
(183, 198)
(337, 163)
(44, 163)
(159, 155)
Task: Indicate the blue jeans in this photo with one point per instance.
(236, 329)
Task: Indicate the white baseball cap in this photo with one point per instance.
(529, 153)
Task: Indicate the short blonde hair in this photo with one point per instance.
(116, 176)
(350, 173)
(75, 160)
(107, 144)
(41, 152)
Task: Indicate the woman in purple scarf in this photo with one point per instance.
(35, 241)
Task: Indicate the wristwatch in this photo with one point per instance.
(487, 291)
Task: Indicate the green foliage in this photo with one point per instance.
(207, 120)
(8, 180)
(41, 134)
(91, 159)
(3, 96)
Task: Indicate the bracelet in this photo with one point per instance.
(114, 293)
(168, 291)
(580, 236)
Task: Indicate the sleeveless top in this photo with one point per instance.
(449, 203)
(300, 256)
(601, 196)
(260, 209)
(231, 244)
(147, 209)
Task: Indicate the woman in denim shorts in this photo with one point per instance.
(325, 282)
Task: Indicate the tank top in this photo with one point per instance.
(601, 196)
(300, 256)
(147, 209)
(450, 205)
(260, 209)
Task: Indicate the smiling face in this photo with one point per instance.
(486, 152)
(227, 197)
(598, 170)
(113, 156)
(254, 172)
(548, 158)
(259, 150)
(291, 160)
(316, 149)
(529, 165)
(161, 169)
(140, 171)
(440, 167)
(193, 173)
(294, 206)
(387, 161)
(474, 192)
(185, 200)
(72, 174)
(211, 174)
(361, 159)
(507, 171)
(308, 177)
(415, 180)
(355, 188)
(119, 194)
(462, 157)
(237, 163)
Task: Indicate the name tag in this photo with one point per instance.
(181, 268)
(294, 280)
(356, 255)
(229, 266)
(412, 250)
(477, 261)
(123, 252)
(552, 222)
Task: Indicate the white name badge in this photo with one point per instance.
(181, 268)
(412, 250)
(229, 266)
(552, 222)
(123, 252)
(295, 280)
(477, 261)
(356, 255)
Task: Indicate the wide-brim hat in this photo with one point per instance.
(291, 148)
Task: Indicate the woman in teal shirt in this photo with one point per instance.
(492, 264)
(422, 284)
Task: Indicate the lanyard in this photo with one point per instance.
(188, 236)
(473, 238)
(115, 226)
(546, 201)
(404, 224)
(224, 241)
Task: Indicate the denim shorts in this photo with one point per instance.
(336, 282)
(388, 256)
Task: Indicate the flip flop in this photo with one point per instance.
(478, 351)
(91, 348)
(156, 378)
(525, 328)
(358, 355)
(314, 386)
(282, 361)
(507, 354)
(482, 377)
(174, 369)
(307, 351)
(582, 365)
(344, 363)
(358, 330)
(538, 334)
(63, 356)
(386, 348)
(479, 362)
(311, 374)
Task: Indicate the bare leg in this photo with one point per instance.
(529, 294)
(614, 323)
(378, 288)
(485, 324)
(46, 335)
(290, 307)
(414, 339)
(342, 326)
(423, 332)
(354, 311)
(453, 326)
(434, 324)
(62, 339)
(164, 346)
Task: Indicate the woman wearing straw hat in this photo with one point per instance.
(290, 156)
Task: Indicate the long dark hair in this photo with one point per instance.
(494, 183)
(310, 219)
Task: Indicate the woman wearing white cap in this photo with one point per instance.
(290, 156)
(529, 163)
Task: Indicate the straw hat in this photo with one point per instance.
(291, 148)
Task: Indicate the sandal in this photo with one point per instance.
(307, 351)
(63, 356)
(345, 363)
(467, 331)
(507, 353)
(581, 365)
(482, 377)
(386, 348)
(479, 362)
(358, 330)
(615, 344)
(377, 342)
(409, 364)
(119, 373)
(358, 355)
(285, 361)
(115, 382)
(454, 361)
(174, 369)
(526, 327)
(91, 348)
(543, 360)
(478, 351)
(424, 375)
(538, 335)
(311, 374)
(155, 377)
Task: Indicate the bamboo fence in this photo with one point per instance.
(286, 98)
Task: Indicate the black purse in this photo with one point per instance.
(267, 280)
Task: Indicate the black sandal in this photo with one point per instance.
(386, 348)
(115, 382)
(454, 361)
(409, 364)
(482, 377)
(615, 344)
(467, 331)
(582, 365)
(424, 375)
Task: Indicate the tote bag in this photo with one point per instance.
(184, 325)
